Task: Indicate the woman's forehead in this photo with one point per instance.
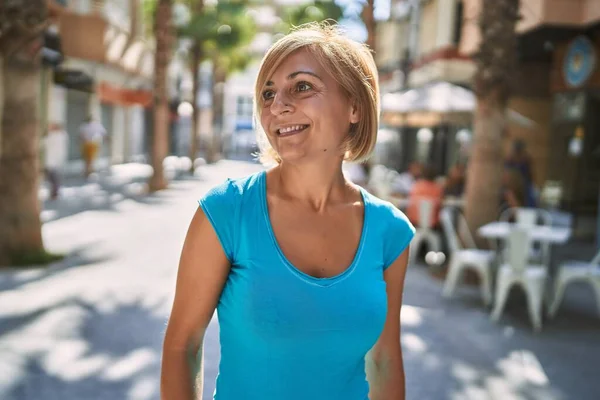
(299, 61)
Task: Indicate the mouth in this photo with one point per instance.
(291, 130)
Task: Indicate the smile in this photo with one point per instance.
(291, 130)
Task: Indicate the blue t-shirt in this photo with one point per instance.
(286, 335)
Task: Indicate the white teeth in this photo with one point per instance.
(291, 128)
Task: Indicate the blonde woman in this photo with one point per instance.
(305, 269)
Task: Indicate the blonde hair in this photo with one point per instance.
(350, 63)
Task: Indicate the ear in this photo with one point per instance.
(354, 113)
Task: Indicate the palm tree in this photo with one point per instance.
(160, 143)
(197, 7)
(317, 11)
(222, 32)
(21, 25)
(368, 17)
(496, 62)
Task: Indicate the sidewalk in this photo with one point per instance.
(108, 186)
(92, 327)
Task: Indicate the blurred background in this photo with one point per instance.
(117, 115)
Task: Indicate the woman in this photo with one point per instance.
(305, 269)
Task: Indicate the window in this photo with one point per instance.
(81, 6)
(458, 22)
(244, 106)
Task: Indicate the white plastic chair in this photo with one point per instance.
(424, 231)
(529, 217)
(462, 258)
(575, 271)
(517, 270)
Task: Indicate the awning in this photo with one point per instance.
(440, 97)
(123, 96)
(74, 79)
(436, 103)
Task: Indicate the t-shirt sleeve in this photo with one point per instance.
(221, 205)
(398, 236)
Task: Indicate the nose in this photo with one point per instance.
(281, 104)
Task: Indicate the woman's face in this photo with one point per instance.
(305, 113)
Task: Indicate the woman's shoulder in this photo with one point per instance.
(233, 189)
(383, 209)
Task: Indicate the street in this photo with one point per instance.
(92, 326)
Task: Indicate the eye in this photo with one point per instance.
(303, 86)
(268, 95)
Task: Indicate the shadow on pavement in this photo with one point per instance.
(80, 257)
(452, 350)
(105, 190)
(92, 351)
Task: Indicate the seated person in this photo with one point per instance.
(514, 192)
(425, 189)
(455, 183)
(403, 183)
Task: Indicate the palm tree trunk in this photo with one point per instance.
(196, 57)
(160, 139)
(496, 65)
(368, 17)
(214, 143)
(195, 66)
(19, 162)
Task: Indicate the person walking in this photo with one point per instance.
(55, 145)
(305, 269)
(92, 134)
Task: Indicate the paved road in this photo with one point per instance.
(92, 328)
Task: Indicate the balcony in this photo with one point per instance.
(82, 35)
(91, 37)
(567, 13)
(542, 20)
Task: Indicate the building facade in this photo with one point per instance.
(106, 74)
(558, 86)
(419, 46)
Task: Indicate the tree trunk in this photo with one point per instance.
(214, 143)
(195, 67)
(195, 110)
(496, 62)
(368, 17)
(483, 188)
(19, 162)
(160, 139)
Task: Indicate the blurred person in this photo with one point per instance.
(425, 188)
(306, 270)
(403, 183)
(520, 160)
(514, 189)
(92, 134)
(55, 146)
(455, 181)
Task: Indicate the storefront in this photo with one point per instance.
(76, 90)
(575, 135)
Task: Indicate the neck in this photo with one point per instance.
(316, 184)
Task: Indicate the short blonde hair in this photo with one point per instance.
(350, 63)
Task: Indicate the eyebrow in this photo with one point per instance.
(295, 74)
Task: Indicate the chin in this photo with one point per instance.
(293, 157)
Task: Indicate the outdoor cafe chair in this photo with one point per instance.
(463, 258)
(527, 217)
(424, 230)
(575, 271)
(517, 270)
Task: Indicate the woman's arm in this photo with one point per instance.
(203, 270)
(385, 369)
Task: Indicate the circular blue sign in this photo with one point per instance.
(580, 61)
